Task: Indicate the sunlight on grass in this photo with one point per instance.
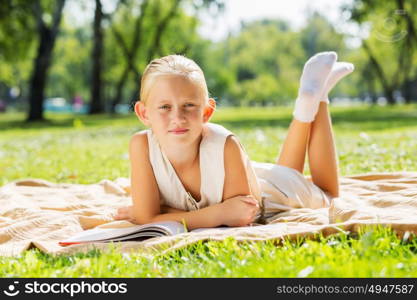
(374, 252)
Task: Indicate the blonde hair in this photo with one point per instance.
(172, 65)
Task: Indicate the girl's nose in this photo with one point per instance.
(178, 115)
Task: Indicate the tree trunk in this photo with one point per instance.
(371, 87)
(161, 28)
(96, 105)
(130, 54)
(47, 37)
(409, 90)
(389, 94)
(387, 87)
(119, 90)
(38, 80)
(135, 95)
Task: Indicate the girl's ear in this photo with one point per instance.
(209, 110)
(141, 113)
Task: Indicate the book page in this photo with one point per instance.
(107, 234)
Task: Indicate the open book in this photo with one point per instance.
(132, 233)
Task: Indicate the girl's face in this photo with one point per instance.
(175, 109)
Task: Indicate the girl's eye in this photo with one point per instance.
(164, 107)
(189, 105)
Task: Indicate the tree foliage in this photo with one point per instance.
(392, 33)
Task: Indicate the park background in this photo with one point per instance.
(70, 71)
(78, 52)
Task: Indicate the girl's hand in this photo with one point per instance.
(239, 210)
(125, 213)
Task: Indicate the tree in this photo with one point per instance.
(392, 40)
(69, 74)
(16, 48)
(47, 36)
(96, 105)
(159, 28)
(264, 64)
(23, 23)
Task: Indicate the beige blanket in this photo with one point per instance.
(37, 213)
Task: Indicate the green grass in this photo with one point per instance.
(376, 252)
(87, 149)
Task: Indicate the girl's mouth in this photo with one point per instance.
(179, 131)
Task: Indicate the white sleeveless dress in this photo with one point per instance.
(277, 188)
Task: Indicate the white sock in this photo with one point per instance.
(340, 70)
(312, 83)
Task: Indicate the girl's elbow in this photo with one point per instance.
(140, 218)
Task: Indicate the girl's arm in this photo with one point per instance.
(240, 208)
(168, 209)
(145, 193)
(236, 180)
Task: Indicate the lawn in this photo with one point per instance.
(87, 149)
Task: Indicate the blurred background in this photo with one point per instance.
(87, 56)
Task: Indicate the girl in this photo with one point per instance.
(188, 170)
